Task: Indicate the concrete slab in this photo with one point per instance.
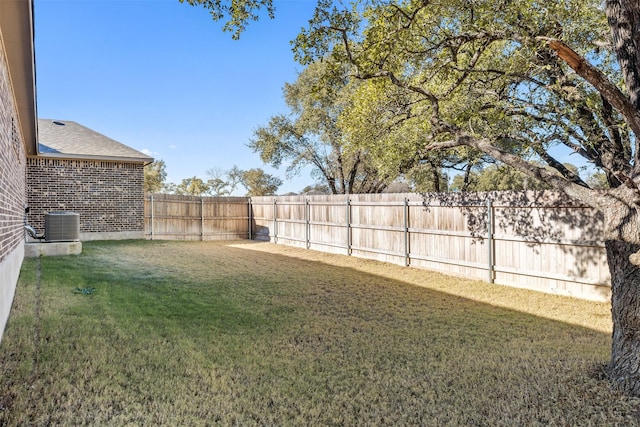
(113, 235)
(38, 249)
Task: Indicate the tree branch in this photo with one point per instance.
(572, 189)
(598, 80)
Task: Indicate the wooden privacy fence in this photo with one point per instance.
(171, 217)
(535, 240)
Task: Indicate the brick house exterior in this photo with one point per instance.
(12, 168)
(17, 139)
(82, 171)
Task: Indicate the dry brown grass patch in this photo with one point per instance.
(240, 333)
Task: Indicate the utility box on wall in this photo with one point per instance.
(61, 227)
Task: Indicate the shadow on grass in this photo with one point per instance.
(213, 333)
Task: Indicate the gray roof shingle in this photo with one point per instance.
(62, 138)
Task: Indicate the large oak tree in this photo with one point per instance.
(516, 80)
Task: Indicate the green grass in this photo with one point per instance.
(244, 333)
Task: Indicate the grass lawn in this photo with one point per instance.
(247, 333)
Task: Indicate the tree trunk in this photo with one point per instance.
(624, 367)
(467, 177)
(624, 21)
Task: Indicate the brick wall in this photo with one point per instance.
(12, 168)
(109, 196)
(12, 193)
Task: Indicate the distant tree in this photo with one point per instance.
(234, 176)
(310, 136)
(154, 177)
(496, 177)
(398, 186)
(259, 183)
(170, 188)
(464, 182)
(218, 185)
(316, 189)
(192, 187)
(428, 177)
(500, 177)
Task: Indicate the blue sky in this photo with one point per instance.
(163, 78)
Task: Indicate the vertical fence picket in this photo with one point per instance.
(275, 221)
(201, 219)
(249, 214)
(307, 214)
(490, 230)
(349, 236)
(406, 232)
(151, 218)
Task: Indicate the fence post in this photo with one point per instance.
(348, 225)
(406, 232)
(490, 239)
(249, 214)
(275, 221)
(307, 214)
(201, 218)
(151, 219)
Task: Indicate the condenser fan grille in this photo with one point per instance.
(61, 227)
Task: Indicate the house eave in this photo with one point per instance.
(62, 156)
(16, 25)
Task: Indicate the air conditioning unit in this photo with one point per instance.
(61, 227)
